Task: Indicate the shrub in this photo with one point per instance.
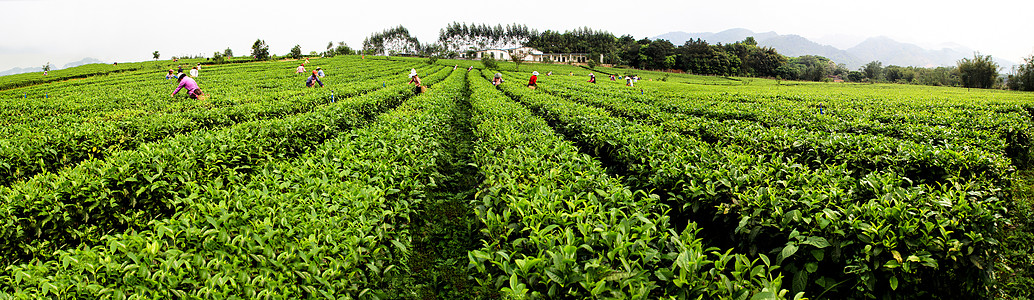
(489, 62)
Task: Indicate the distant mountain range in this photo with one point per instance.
(883, 49)
(20, 70)
(84, 61)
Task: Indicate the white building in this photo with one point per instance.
(578, 58)
(531, 54)
(504, 54)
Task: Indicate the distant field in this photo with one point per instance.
(682, 186)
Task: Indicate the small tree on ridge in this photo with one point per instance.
(260, 50)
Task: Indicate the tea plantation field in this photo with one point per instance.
(679, 187)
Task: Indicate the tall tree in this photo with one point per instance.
(658, 53)
(260, 50)
(765, 61)
(580, 40)
(517, 57)
(1023, 80)
(459, 37)
(873, 70)
(296, 52)
(343, 49)
(392, 41)
(228, 53)
(979, 72)
(218, 57)
(749, 41)
(940, 76)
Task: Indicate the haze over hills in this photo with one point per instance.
(883, 49)
(13, 71)
(84, 61)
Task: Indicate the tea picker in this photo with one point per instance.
(415, 80)
(193, 91)
(533, 81)
(498, 79)
(312, 80)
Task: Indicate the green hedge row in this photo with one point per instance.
(50, 146)
(839, 232)
(558, 226)
(331, 223)
(127, 189)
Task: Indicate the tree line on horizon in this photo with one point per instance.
(744, 58)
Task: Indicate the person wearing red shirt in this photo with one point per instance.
(534, 78)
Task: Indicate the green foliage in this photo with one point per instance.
(700, 58)
(218, 57)
(27, 79)
(579, 40)
(1023, 80)
(156, 54)
(259, 50)
(341, 49)
(809, 67)
(92, 133)
(228, 53)
(873, 71)
(940, 76)
(391, 41)
(889, 245)
(238, 174)
(685, 187)
(454, 37)
(979, 72)
(591, 236)
(1016, 267)
(296, 52)
(517, 57)
(489, 63)
(898, 74)
(656, 55)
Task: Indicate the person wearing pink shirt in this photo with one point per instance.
(301, 69)
(193, 91)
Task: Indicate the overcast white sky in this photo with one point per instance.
(33, 32)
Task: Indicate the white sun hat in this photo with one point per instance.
(412, 72)
(536, 73)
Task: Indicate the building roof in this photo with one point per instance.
(533, 50)
(565, 53)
